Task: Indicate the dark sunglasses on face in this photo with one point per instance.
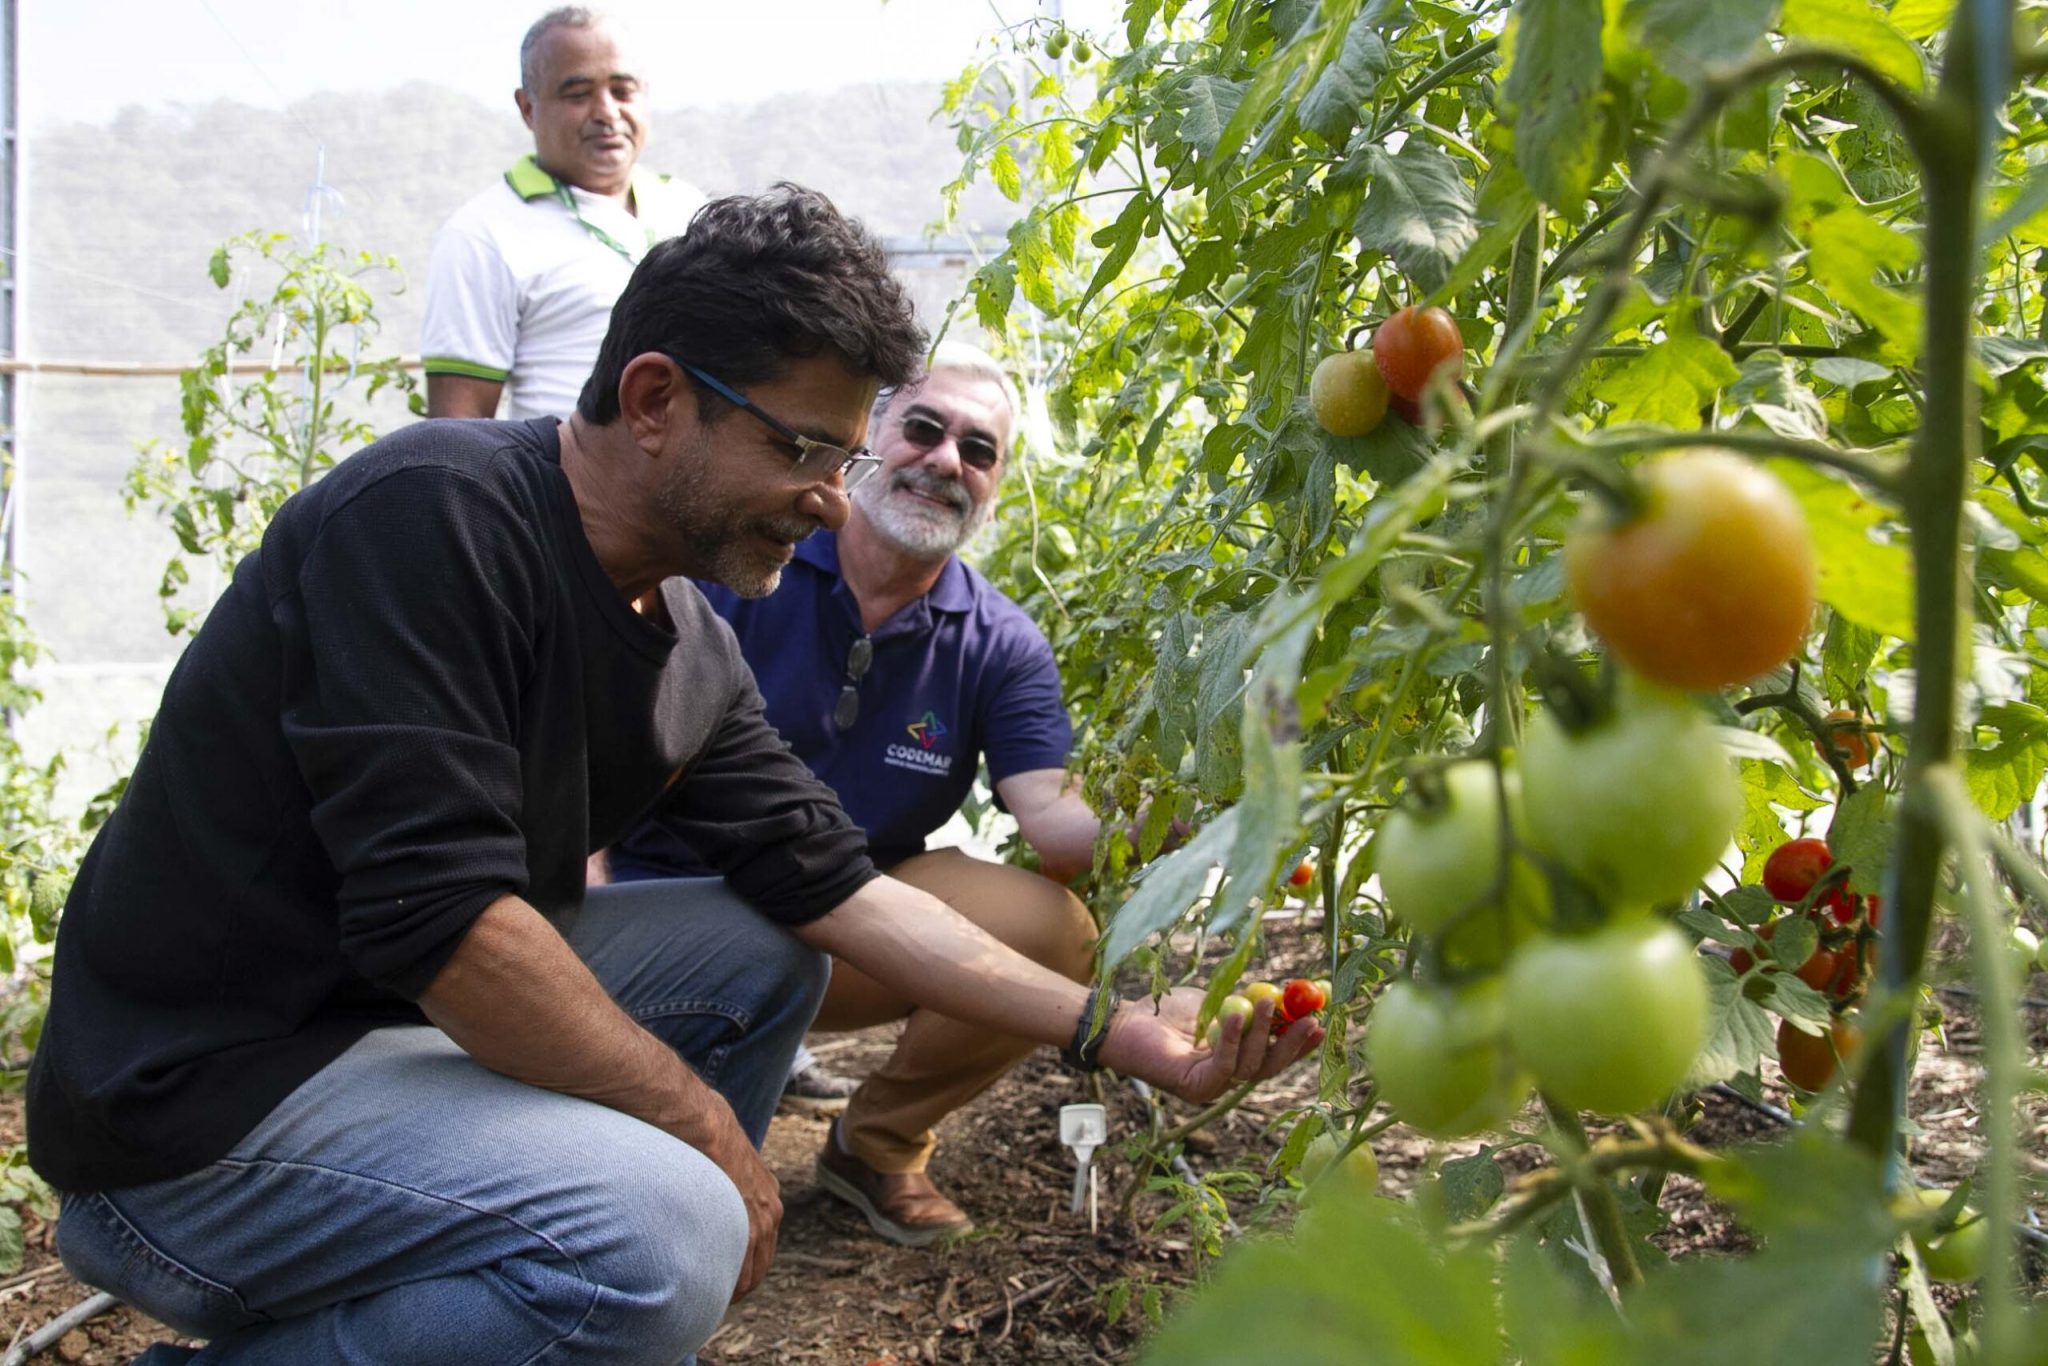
(976, 452)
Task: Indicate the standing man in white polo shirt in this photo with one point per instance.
(523, 277)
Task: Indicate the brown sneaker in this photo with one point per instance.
(906, 1208)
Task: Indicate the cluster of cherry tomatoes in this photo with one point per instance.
(1297, 999)
(1591, 995)
(1351, 391)
(1844, 948)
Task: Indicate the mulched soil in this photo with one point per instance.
(1033, 1283)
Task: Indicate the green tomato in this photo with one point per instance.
(1233, 1004)
(1640, 806)
(1608, 1021)
(1437, 1059)
(1437, 867)
(2025, 947)
(1957, 1255)
(1360, 1170)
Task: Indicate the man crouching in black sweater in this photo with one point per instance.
(342, 1061)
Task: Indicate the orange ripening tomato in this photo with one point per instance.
(1413, 345)
(1809, 1060)
(1708, 584)
(1846, 733)
(1303, 874)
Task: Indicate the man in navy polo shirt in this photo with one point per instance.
(892, 669)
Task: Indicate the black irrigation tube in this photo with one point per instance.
(2030, 1230)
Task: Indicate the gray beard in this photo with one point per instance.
(917, 528)
(725, 552)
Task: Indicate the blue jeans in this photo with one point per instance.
(408, 1205)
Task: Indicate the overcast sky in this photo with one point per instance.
(86, 59)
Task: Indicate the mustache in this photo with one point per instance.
(933, 485)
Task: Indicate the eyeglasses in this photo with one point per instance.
(976, 452)
(846, 710)
(816, 460)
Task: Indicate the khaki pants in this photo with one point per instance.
(940, 1064)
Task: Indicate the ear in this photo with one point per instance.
(654, 396)
(525, 103)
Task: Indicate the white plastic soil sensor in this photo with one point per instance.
(1084, 1128)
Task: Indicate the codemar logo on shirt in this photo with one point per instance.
(923, 755)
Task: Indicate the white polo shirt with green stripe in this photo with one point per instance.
(523, 277)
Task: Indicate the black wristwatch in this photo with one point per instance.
(1081, 1053)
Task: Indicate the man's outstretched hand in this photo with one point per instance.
(1160, 1046)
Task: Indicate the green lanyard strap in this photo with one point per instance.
(530, 180)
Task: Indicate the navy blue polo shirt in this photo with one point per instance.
(957, 675)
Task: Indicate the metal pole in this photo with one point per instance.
(10, 292)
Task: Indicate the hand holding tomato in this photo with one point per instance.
(1161, 1047)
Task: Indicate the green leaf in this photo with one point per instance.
(1419, 211)
(1849, 249)
(1868, 581)
(1921, 19)
(1669, 383)
(1358, 1282)
(1333, 104)
(1206, 106)
(1470, 1186)
(1120, 239)
(1002, 168)
(2003, 775)
(1861, 834)
(1268, 813)
(1169, 886)
(1846, 653)
(11, 1246)
(217, 268)
(1553, 93)
(1861, 27)
(1765, 788)
(1738, 1030)
(1687, 35)
(1506, 204)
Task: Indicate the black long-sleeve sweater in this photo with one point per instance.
(421, 694)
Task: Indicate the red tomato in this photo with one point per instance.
(1303, 874)
(1709, 583)
(1793, 868)
(1407, 409)
(1301, 998)
(1820, 970)
(1410, 347)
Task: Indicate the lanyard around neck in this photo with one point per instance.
(568, 198)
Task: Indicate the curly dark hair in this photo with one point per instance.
(759, 281)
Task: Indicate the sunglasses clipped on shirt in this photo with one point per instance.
(846, 710)
(925, 433)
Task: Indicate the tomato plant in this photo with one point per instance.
(1746, 314)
